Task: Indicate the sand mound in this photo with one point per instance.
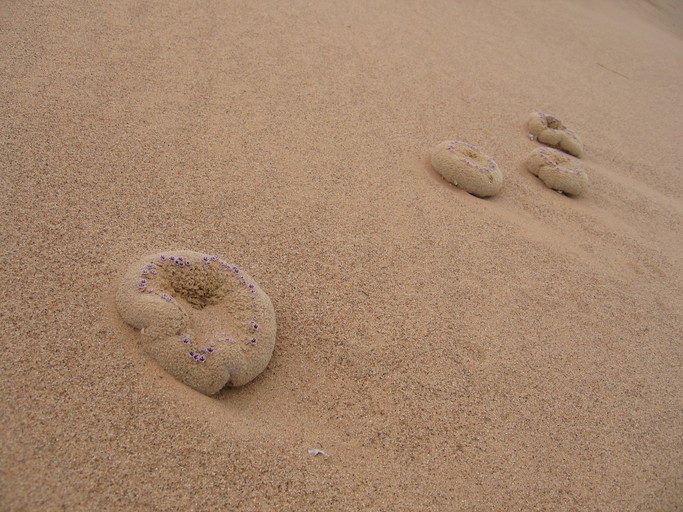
(468, 168)
(549, 130)
(203, 320)
(557, 170)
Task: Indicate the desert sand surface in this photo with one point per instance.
(447, 352)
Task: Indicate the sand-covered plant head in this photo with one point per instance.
(204, 320)
(558, 170)
(467, 167)
(549, 130)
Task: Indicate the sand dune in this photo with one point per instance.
(521, 352)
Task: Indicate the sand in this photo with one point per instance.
(447, 352)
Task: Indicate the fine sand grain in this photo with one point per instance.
(447, 352)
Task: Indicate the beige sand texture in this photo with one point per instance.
(447, 353)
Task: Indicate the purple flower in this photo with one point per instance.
(145, 271)
(210, 350)
(142, 284)
(153, 271)
(187, 263)
(201, 359)
(254, 326)
(206, 260)
(162, 257)
(236, 270)
(172, 258)
(253, 341)
(166, 297)
(214, 258)
(186, 339)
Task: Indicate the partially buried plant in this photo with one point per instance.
(165, 294)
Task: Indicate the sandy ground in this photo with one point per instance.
(449, 353)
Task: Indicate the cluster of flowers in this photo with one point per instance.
(143, 286)
(179, 261)
(208, 259)
(200, 355)
(252, 340)
(150, 269)
(455, 143)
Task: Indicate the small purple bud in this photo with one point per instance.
(214, 258)
(253, 341)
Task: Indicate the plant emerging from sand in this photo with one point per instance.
(549, 130)
(558, 170)
(202, 319)
(465, 166)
